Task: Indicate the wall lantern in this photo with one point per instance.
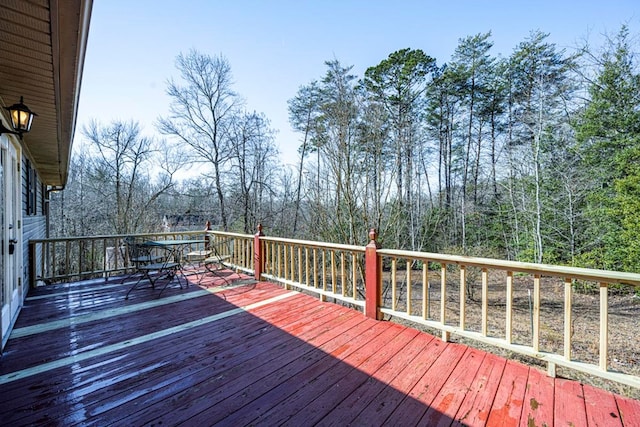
(21, 118)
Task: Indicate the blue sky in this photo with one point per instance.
(274, 47)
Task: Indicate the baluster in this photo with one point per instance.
(306, 266)
(354, 276)
(279, 259)
(343, 273)
(463, 285)
(485, 300)
(67, 258)
(509, 296)
(394, 283)
(292, 264)
(300, 264)
(315, 268)
(567, 318)
(536, 313)
(324, 275)
(604, 325)
(443, 299)
(334, 272)
(425, 289)
(409, 287)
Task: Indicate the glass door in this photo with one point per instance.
(10, 288)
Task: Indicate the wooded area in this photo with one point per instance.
(531, 157)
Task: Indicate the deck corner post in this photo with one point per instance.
(373, 277)
(258, 257)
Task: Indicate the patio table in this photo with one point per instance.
(172, 266)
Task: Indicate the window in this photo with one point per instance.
(32, 189)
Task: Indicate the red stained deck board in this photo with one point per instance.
(418, 400)
(260, 396)
(175, 377)
(190, 402)
(538, 400)
(474, 409)
(75, 338)
(443, 408)
(136, 353)
(569, 407)
(309, 405)
(601, 407)
(354, 404)
(138, 367)
(162, 396)
(302, 325)
(386, 401)
(291, 361)
(52, 308)
(509, 399)
(629, 411)
(309, 384)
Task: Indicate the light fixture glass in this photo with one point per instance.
(21, 117)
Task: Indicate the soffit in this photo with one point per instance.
(42, 47)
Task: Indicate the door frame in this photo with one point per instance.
(10, 236)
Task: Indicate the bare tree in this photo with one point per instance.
(202, 107)
(254, 153)
(119, 161)
(304, 112)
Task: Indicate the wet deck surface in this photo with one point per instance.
(256, 354)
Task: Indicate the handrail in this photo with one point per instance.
(587, 274)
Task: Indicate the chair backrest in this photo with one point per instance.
(137, 252)
(222, 247)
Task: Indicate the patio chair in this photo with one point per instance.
(149, 265)
(138, 253)
(219, 252)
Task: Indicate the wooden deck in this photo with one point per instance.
(256, 354)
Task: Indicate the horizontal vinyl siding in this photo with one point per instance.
(34, 226)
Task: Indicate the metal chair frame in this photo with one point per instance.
(150, 266)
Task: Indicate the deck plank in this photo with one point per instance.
(162, 396)
(538, 406)
(388, 400)
(601, 407)
(385, 377)
(444, 407)
(256, 353)
(474, 409)
(258, 398)
(136, 361)
(310, 405)
(209, 394)
(629, 411)
(569, 407)
(509, 398)
(420, 397)
(226, 367)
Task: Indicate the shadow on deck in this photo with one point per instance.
(254, 353)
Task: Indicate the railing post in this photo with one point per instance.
(258, 255)
(32, 264)
(207, 238)
(373, 277)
